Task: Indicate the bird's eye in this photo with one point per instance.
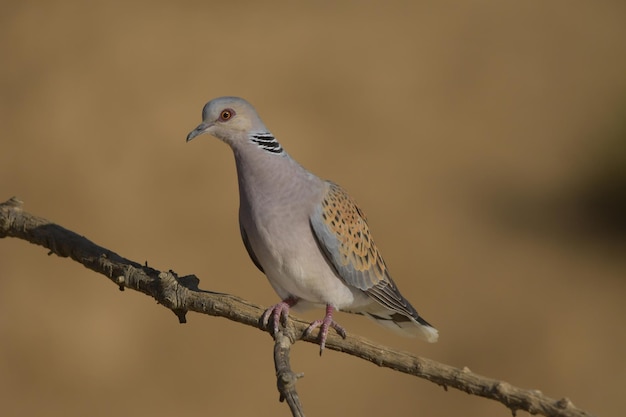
(226, 115)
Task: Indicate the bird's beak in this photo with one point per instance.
(202, 128)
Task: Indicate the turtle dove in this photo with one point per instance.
(307, 235)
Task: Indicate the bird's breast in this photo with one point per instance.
(275, 211)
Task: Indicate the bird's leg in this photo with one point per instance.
(278, 313)
(326, 323)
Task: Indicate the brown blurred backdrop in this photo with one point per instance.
(485, 140)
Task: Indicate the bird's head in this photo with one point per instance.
(228, 118)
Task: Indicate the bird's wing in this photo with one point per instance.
(246, 243)
(343, 235)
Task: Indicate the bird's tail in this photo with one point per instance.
(405, 325)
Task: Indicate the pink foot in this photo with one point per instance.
(278, 313)
(325, 324)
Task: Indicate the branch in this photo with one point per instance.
(285, 378)
(181, 294)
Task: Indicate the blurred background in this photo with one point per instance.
(485, 140)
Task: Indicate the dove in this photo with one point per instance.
(306, 234)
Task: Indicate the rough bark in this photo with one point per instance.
(181, 294)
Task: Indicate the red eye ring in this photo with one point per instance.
(226, 115)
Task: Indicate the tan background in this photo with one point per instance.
(471, 133)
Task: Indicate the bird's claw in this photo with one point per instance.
(325, 324)
(277, 314)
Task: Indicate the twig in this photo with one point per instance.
(285, 378)
(181, 294)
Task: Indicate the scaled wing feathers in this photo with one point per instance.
(343, 235)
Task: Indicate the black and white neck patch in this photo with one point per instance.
(267, 142)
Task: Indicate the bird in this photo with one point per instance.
(306, 234)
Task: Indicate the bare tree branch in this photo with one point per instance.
(181, 294)
(285, 377)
